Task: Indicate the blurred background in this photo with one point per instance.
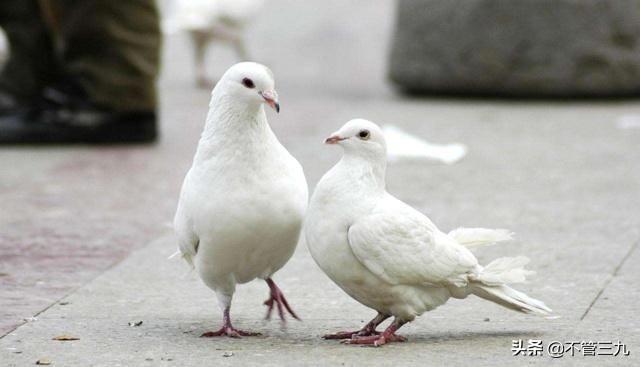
(517, 114)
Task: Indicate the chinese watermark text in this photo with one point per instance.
(558, 349)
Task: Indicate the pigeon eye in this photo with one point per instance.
(364, 134)
(248, 83)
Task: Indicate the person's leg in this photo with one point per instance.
(31, 64)
(109, 60)
(112, 48)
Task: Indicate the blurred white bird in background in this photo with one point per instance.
(242, 202)
(390, 257)
(208, 21)
(4, 48)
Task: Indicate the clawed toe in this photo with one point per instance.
(277, 300)
(211, 334)
(399, 338)
(228, 331)
(374, 340)
(369, 336)
(340, 335)
(350, 334)
(240, 333)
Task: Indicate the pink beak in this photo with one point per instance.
(334, 139)
(271, 97)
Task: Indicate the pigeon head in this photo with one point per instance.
(360, 137)
(250, 83)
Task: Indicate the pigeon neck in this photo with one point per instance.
(371, 172)
(225, 108)
(232, 124)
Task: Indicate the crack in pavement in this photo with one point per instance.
(613, 275)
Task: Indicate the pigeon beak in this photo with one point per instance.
(334, 139)
(271, 98)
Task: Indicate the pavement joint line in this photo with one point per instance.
(610, 279)
(72, 291)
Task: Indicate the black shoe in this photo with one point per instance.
(9, 104)
(68, 119)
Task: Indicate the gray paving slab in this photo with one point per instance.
(69, 213)
(561, 175)
(544, 171)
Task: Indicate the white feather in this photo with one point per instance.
(401, 144)
(475, 237)
(628, 122)
(512, 299)
(178, 252)
(505, 270)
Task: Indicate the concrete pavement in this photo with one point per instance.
(560, 175)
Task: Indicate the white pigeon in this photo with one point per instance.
(243, 200)
(208, 21)
(390, 257)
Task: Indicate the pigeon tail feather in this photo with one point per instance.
(510, 298)
(504, 270)
(491, 281)
(476, 237)
(178, 252)
(186, 257)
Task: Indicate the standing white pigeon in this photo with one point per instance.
(207, 21)
(390, 257)
(243, 200)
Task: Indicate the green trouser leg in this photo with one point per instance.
(112, 48)
(32, 64)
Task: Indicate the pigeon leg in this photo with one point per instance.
(277, 298)
(200, 42)
(227, 329)
(387, 336)
(368, 330)
(240, 49)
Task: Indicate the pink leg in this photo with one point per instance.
(227, 329)
(278, 299)
(387, 336)
(368, 330)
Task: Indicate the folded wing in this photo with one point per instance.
(402, 246)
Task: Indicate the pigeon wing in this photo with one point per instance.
(406, 248)
(183, 225)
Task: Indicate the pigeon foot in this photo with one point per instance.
(228, 331)
(277, 299)
(388, 336)
(350, 334)
(368, 330)
(375, 340)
